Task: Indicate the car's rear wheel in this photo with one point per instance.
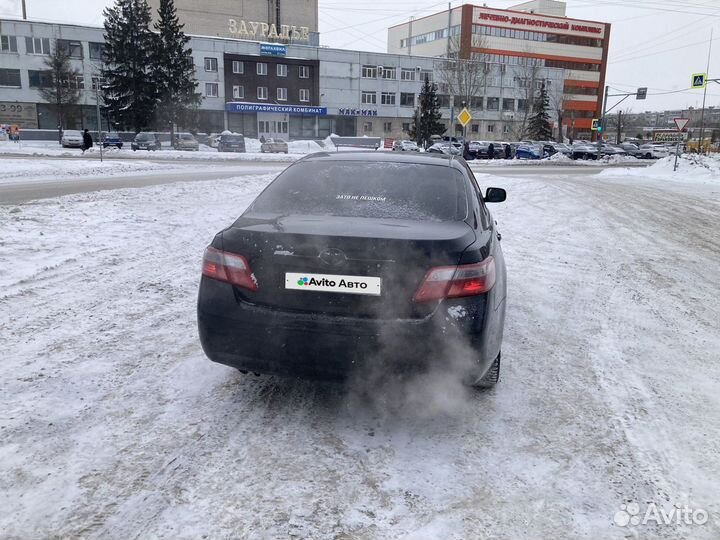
(491, 377)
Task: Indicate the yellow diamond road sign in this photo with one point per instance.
(464, 117)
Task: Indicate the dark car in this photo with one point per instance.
(358, 262)
(111, 139)
(146, 141)
(231, 143)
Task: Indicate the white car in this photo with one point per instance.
(406, 146)
(71, 138)
(654, 151)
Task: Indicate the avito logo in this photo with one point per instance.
(324, 282)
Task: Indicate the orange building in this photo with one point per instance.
(537, 30)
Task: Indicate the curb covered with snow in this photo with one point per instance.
(691, 168)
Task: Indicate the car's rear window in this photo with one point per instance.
(373, 190)
(144, 137)
(232, 138)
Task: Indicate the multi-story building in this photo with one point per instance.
(283, 21)
(258, 88)
(533, 33)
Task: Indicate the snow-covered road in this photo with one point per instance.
(113, 425)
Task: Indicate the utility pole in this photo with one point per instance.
(24, 11)
(702, 114)
(449, 28)
(410, 36)
(99, 120)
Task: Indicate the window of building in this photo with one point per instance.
(508, 104)
(406, 126)
(262, 92)
(304, 72)
(282, 94)
(96, 50)
(475, 128)
(387, 98)
(522, 105)
(426, 74)
(71, 48)
(367, 127)
(282, 70)
(476, 103)
(10, 77)
(238, 67)
(304, 94)
(444, 101)
(387, 127)
(506, 129)
(8, 44)
(96, 83)
(493, 104)
(40, 79)
(368, 98)
(369, 72)
(211, 64)
(407, 74)
(407, 99)
(261, 68)
(238, 91)
(491, 128)
(37, 45)
(389, 73)
(77, 82)
(211, 89)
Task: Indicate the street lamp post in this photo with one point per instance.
(99, 120)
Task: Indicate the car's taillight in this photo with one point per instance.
(457, 281)
(228, 267)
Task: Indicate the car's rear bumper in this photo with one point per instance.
(267, 340)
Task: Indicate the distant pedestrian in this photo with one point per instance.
(87, 141)
(508, 151)
(262, 138)
(491, 151)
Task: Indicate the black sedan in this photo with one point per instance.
(353, 262)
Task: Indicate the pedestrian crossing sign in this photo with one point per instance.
(699, 80)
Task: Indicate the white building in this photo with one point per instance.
(324, 91)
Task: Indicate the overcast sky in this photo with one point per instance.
(654, 43)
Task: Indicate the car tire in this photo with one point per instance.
(648, 156)
(491, 377)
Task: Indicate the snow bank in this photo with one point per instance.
(15, 170)
(691, 168)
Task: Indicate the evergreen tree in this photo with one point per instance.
(427, 115)
(174, 72)
(129, 91)
(60, 89)
(539, 128)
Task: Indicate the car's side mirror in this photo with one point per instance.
(494, 195)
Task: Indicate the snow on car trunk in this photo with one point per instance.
(114, 425)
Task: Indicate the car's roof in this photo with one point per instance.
(385, 157)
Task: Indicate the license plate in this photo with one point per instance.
(333, 283)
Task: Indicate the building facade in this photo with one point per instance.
(282, 21)
(273, 90)
(534, 33)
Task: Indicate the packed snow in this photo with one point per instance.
(29, 170)
(693, 168)
(114, 425)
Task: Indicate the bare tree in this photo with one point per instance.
(60, 88)
(528, 74)
(463, 78)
